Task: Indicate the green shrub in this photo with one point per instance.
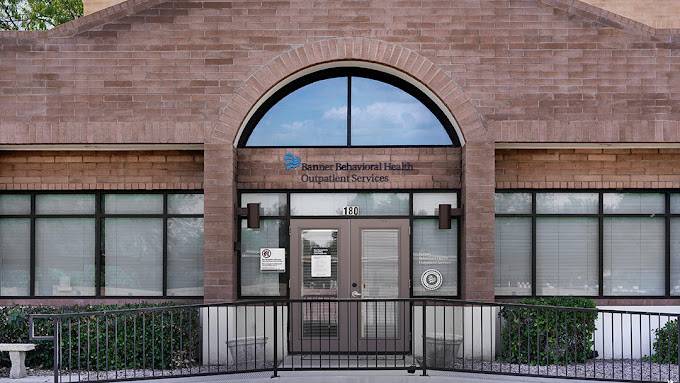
(160, 339)
(666, 343)
(544, 335)
(14, 329)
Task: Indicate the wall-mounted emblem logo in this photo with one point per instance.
(431, 279)
(291, 161)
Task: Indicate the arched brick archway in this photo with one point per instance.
(404, 60)
(477, 247)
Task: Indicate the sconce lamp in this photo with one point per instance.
(444, 216)
(252, 214)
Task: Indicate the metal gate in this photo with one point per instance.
(445, 335)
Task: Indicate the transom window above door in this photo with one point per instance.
(343, 107)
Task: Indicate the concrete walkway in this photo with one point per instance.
(339, 377)
(369, 377)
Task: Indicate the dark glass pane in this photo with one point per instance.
(185, 256)
(15, 256)
(65, 203)
(314, 115)
(566, 203)
(15, 204)
(513, 256)
(270, 203)
(634, 203)
(334, 203)
(133, 204)
(566, 256)
(513, 203)
(185, 203)
(64, 256)
(435, 253)
(428, 203)
(634, 255)
(383, 114)
(272, 234)
(134, 256)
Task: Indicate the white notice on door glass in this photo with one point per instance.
(273, 259)
(321, 266)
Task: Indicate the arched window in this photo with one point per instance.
(344, 107)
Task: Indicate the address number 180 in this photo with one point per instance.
(350, 210)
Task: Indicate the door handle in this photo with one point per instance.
(356, 294)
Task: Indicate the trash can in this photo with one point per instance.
(442, 349)
(248, 352)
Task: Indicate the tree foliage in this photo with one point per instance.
(666, 343)
(35, 15)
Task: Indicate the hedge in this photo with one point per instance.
(666, 343)
(162, 339)
(544, 336)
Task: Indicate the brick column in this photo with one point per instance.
(478, 230)
(219, 258)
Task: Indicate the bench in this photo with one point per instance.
(17, 354)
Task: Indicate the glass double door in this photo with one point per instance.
(358, 266)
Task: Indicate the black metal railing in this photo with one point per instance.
(411, 334)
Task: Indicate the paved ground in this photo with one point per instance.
(339, 377)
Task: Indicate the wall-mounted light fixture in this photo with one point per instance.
(444, 216)
(252, 214)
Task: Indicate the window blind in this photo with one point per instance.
(513, 256)
(634, 250)
(566, 256)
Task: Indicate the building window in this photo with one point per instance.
(634, 244)
(427, 204)
(15, 244)
(513, 256)
(272, 233)
(65, 245)
(675, 244)
(588, 244)
(185, 244)
(133, 238)
(432, 247)
(513, 244)
(435, 248)
(566, 256)
(101, 244)
(566, 244)
(185, 256)
(348, 107)
(330, 204)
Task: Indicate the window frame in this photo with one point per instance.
(348, 72)
(600, 215)
(99, 217)
(285, 221)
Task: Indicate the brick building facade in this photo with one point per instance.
(154, 95)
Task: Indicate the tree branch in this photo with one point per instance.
(9, 15)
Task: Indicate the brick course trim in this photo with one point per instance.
(588, 168)
(101, 170)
